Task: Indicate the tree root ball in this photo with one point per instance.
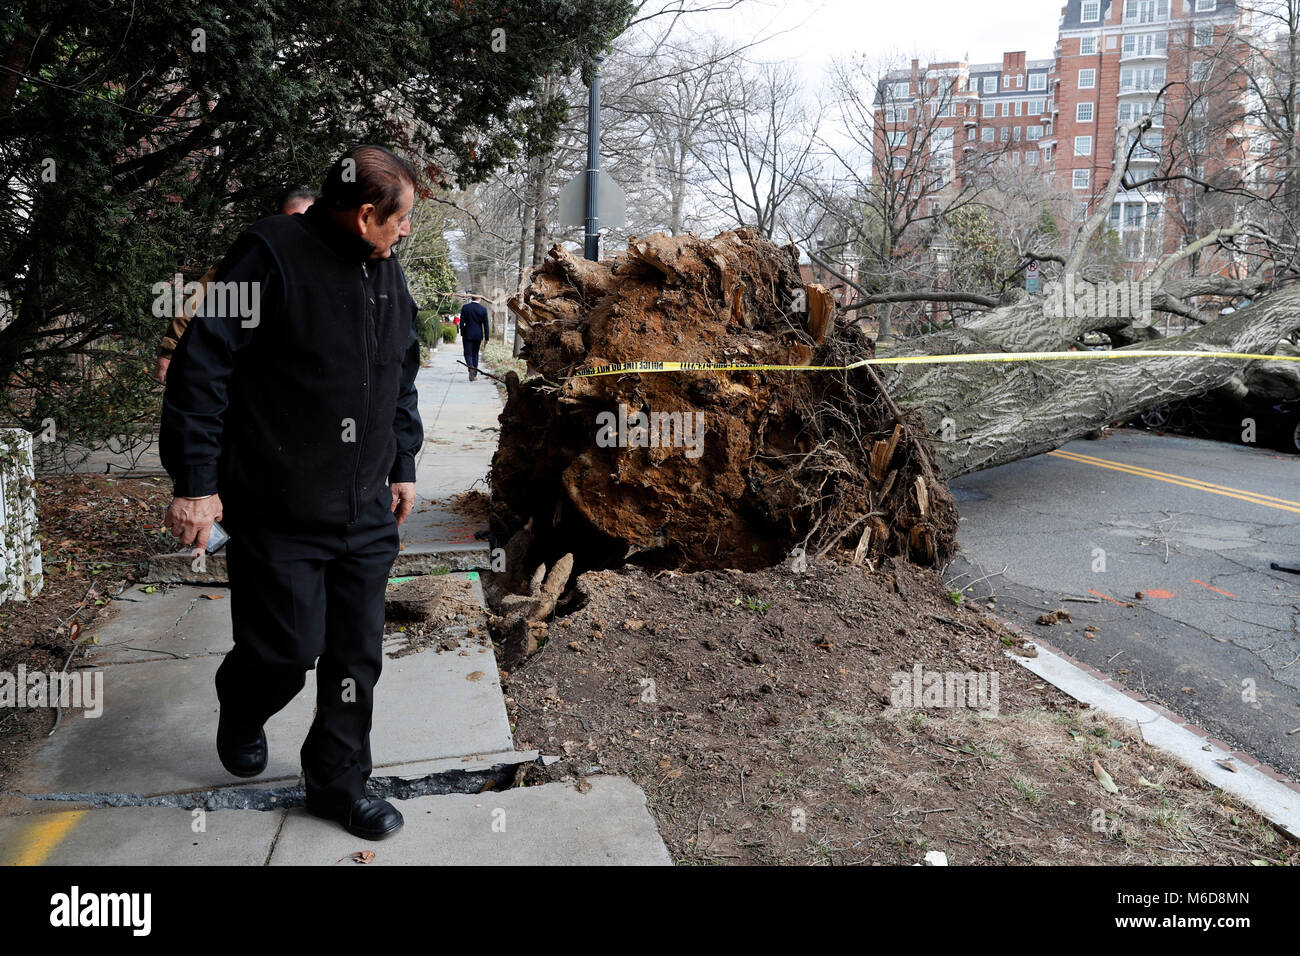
(704, 469)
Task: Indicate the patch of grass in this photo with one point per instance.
(1032, 794)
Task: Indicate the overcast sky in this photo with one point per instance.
(813, 31)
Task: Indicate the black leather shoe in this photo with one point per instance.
(367, 817)
(242, 756)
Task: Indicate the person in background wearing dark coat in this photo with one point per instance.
(294, 200)
(475, 327)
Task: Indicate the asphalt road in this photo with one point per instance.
(1193, 525)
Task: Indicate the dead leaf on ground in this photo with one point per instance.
(1103, 777)
(360, 856)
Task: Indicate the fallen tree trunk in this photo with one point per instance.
(987, 415)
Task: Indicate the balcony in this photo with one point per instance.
(1158, 55)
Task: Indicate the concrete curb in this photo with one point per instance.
(1261, 787)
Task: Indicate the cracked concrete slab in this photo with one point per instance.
(169, 623)
(158, 729)
(157, 734)
(552, 825)
(139, 836)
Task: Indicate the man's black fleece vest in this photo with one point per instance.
(308, 439)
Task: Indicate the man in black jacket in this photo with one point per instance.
(475, 327)
(291, 414)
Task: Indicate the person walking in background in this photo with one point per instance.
(475, 327)
(294, 200)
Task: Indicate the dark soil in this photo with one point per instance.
(753, 709)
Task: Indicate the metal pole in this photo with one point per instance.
(591, 241)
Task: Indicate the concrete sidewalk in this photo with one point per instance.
(141, 784)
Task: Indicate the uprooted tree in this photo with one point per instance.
(850, 461)
(726, 469)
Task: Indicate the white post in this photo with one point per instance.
(20, 549)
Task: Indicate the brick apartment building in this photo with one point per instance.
(1112, 58)
(974, 108)
(1063, 115)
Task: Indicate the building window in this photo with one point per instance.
(897, 114)
(1203, 35)
(1006, 107)
(989, 109)
(1200, 71)
(1145, 44)
(1083, 146)
(1046, 151)
(1087, 46)
(970, 135)
(1031, 157)
(897, 139)
(899, 91)
(900, 162)
(1205, 6)
(1114, 216)
(1132, 79)
(1201, 107)
(1004, 134)
(1087, 79)
(1090, 11)
(1033, 132)
(1081, 178)
(1015, 134)
(986, 134)
(990, 84)
(1083, 112)
(1036, 107)
(1020, 107)
(1146, 11)
(1020, 81)
(1037, 81)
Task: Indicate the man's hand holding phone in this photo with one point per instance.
(190, 519)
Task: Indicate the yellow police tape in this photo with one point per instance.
(622, 368)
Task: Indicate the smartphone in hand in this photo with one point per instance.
(217, 538)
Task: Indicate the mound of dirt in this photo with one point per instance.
(764, 715)
(704, 469)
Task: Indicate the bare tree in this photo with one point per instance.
(758, 145)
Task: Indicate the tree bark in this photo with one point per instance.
(984, 415)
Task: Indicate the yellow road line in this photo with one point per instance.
(1267, 501)
(1164, 474)
(40, 839)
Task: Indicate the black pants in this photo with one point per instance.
(471, 354)
(304, 599)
